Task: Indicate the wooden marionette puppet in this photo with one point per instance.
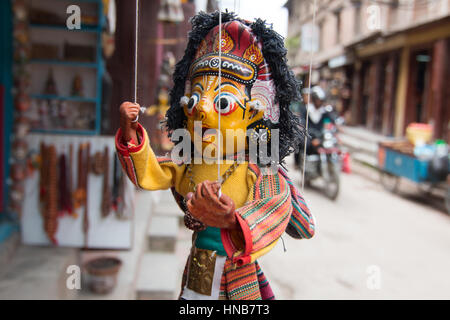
(233, 76)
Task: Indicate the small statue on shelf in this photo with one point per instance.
(50, 84)
(44, 114)
(63, 113)
(77, 86)
(54, 114)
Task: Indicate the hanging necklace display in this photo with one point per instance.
(65, 205)
(79, 195)
(51, 203)
(98, 163)
(63, 196)
(42, 173)
(70, 183)
(87, 160)
(118, 190)
(106, 198)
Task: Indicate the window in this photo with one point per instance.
(337, 15)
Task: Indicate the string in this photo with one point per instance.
(220, 92)
(309, 94)
(136, 51)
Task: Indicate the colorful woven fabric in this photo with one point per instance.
(263, 219)
(301, 224)
(264, 287)
(240, 282)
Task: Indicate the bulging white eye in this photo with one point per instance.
(224, 104)
(193, 101)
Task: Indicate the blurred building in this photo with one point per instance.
(383, 63)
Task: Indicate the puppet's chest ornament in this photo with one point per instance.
(201, 271)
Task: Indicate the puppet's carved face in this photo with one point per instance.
(235, 110)
(247, 91)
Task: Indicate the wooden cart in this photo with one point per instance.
(396, 160)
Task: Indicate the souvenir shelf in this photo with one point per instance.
(62, 55)
(84, 28)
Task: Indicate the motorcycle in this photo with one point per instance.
(326, 162)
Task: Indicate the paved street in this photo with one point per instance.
(369, 244)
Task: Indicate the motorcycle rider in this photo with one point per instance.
(322, 120)
(318, 115)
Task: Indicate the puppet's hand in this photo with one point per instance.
(207, 207)
(129, 111)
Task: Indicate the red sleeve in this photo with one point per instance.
(123, 152)
(130, 146)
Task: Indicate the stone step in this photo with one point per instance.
(163, 232)
(167, 206)
(165, 196)
(170, 209)
(39, 273)
(366, 159)
(361, 140)
(363, 134)
(158, 277)
(358, 145)
(8, 248)
(161, 196)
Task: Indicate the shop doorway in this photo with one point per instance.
(419, 87)
(388, 88)
(365, 94)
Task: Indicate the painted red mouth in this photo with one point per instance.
(204, 130)
(207, 137)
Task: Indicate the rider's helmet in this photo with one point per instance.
(318, 93)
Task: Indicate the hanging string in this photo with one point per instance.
(309, 94)
(220, 92)
(136, 51)
(136, 38)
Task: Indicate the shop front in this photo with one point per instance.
(63, 183)
(402, 78)
(374, 88)
(339, 83)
